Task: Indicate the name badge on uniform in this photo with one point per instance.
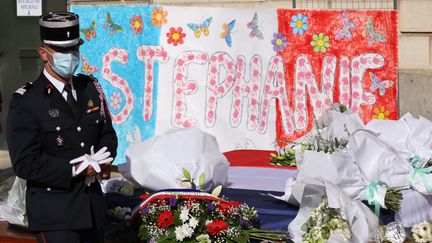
(53, 113)
(60, 141)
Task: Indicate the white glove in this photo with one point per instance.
(94, 160)
(86, 161)
(101, 156)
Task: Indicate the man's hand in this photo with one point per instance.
(89, 171)
(105, 171)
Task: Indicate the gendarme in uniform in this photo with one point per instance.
(44, 133)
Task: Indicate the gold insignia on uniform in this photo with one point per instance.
(90, 104)
(54, 112)
(59, 141)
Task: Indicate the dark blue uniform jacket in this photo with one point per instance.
(43, 135)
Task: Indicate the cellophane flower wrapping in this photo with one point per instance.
(360, 219)
(158, 163)
(13, 209)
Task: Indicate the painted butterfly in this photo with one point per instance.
(86, 66)
(227, 32)
(110, 24)
(90, 31)
(201, 28)
(345, 31)
(253, 25)
(371, 34)
(377, 83)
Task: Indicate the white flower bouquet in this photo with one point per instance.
(359, 219)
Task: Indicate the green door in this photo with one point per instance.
(19, 59)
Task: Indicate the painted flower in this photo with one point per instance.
(176, 36)
(380, 113)
(136, 24)
(299, 24)
(165, 219)
(320, 42)
(215, 227)
(115, 100)
(279, 42)
(158, 17)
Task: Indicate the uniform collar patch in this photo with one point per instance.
(49, 89)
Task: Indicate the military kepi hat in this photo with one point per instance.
(60, 29)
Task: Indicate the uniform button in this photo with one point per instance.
(58, 128)
(82, 145)
(48, 189)
(79, 129)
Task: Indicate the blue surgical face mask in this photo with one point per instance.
(65, 64)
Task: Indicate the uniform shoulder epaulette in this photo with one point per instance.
(24, 88)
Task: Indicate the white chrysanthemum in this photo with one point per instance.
(180, 233)
(184, 214)
(193, 222)
(188, 231)
(422, 232)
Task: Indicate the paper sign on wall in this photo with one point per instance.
(250, 77)
(29, 7)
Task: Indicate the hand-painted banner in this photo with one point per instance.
(250, 77)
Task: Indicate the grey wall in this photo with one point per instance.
(19, 41)
(415, 92)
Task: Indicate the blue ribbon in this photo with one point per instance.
(372, 195)
(422, 173)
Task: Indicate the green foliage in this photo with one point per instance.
(186, 174)
(217, 191)
(202, 180)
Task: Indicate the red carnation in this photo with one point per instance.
(216, 227)
(223, 208)
(165, 219)
(234, 204)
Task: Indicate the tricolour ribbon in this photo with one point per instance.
(167, 194)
